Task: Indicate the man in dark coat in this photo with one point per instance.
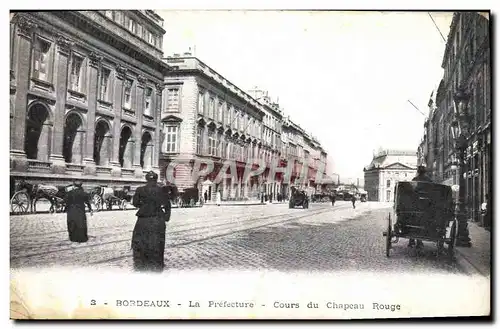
(148, 238)
(333, 197)
(421, 177)
(353, 200)
(76, 199)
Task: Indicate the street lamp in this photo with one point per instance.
(460, 132)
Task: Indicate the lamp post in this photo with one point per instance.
(460, 131)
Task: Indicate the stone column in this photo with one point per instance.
(148, 156)
(88, 156)
(77, 149)
(118, 105)
(44, 142)
(138, 126)
(61, 87)
(157, 135)
(106, 151)
(21, 67)
(128, 153)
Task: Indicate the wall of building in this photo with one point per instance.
(466, 63)
(68, 112)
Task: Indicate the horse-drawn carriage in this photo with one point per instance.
(188, 197)
(298, 198)
(424, 211)
(24, 196)
(103, 195)
(321, 197)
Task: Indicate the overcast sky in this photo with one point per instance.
(345, 76)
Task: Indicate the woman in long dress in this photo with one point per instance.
(148, 238)
(76, 199)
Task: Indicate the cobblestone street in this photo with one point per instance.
(270, 237)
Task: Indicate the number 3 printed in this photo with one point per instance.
(92, 302)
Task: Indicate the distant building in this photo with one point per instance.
(387, 168)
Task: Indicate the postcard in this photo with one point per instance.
(250, 164)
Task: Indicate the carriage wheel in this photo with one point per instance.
(388, 237)
(97, 201)
(451, 243)
(20, 202)
(123, 205)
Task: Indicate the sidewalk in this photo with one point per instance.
(479, 254)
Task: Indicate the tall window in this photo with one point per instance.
(199, 140)
(173, 100)
(219, 147)
(219, 112)
(227, 114)
(212, 143)
(388, 199)
(148, 94)
(388, 183)
(76, 76)
(170, 144)
(104, 84)
(132, 26)
(201, 102)
(211, 109)
(127, 94)
(41, 59)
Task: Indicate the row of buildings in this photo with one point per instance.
(92, 96)
(466, 64)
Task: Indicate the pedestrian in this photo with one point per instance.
(148, 238)
(333, 199)
(218, 198)
(353, 200)
(420, 177)
(270, 198)
(76, 220)
(205, 196)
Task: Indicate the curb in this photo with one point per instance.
(467, 265)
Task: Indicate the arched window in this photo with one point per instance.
(73, 139)
(126, 154)
(102, 143)
(37, 137)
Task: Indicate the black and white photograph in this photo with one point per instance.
(250, 164)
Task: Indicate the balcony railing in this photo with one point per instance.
(76, 167)
(39, 166)
(103, 170)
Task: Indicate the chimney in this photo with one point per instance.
(177, 55)
(188, 54)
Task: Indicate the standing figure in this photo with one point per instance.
(333, 197)
(218, 198)
(76, 199)
(353, 200)
(421, 177)
(205, 196)
(148, 238)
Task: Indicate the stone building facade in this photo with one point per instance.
(85, 87)
(386, 169)
(466, 63)
(206, 117)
